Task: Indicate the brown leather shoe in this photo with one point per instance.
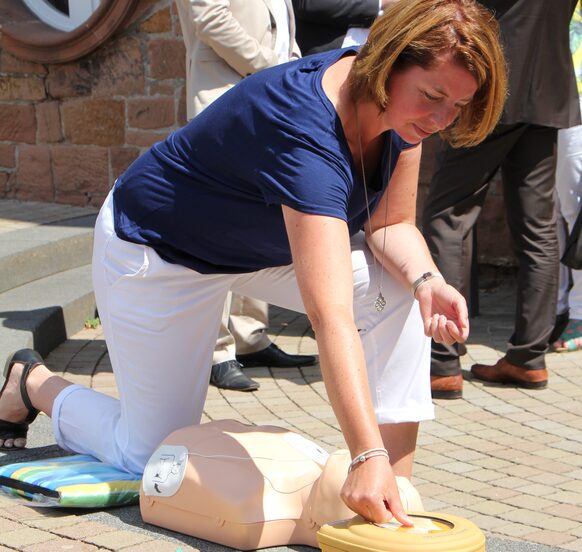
(505, 372)
(446, 387)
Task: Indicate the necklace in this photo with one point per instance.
(380, 302)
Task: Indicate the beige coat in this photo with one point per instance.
(226, 41)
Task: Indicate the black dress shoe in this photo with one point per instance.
(276, 358)
(228, 375)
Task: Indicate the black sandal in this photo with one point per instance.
(11, 430)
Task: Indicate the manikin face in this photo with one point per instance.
(424, 101)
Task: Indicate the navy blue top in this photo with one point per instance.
(209, 196)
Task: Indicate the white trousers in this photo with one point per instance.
(161, 321)
(569, 188)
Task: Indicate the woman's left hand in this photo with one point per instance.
(444, 312)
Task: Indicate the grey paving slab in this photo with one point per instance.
(41, 314)
(31, 253)
(45, 288)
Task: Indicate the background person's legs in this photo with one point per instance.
(225, 348)
(243, 328)
(226, 371)
(248, 323)
(569, 190)
(528, 186)
(455, 198)
(243, 343)
(529, 180)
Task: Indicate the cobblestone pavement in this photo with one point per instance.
(509, 459)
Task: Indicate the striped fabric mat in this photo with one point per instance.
(77, 481)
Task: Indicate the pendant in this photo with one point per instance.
(380, 302)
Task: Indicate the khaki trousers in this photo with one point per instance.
(243, 328)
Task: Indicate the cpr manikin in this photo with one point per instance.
(248, 486)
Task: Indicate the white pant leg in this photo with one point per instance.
(397, 351)
(161, 323)
(569, 188)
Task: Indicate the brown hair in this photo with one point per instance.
(418, 32)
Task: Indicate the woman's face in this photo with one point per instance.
(424, 101)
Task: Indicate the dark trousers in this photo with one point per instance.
(526, 156)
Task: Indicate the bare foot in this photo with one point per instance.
(12, 408)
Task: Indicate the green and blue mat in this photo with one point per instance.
(77, 481)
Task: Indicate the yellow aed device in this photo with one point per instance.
(432, 532)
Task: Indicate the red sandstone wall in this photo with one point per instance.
(68, 130)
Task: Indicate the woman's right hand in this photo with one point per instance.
(371, 491)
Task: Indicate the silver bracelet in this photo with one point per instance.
(366, 455)
(424, 278)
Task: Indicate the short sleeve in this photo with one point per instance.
(308, 177)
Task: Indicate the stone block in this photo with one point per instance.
(182, 109)
(141, 9)
(176, 18)
(9, 525)
(151, 113)
(83, 529)
(22, 88)
(34, 177)
(157, 88)
(80, 169)
(79, 199)
(119, 539)
(144, 139)
(96, 200)
(12, 64)
(8, 184)
(62, 545)
(159, 22)
(7, 156)
(48, 122)
(23, 538)
(94, 121)
(17, 123)
(4, 186)
(167, 59)
(69, 80)
(119, 69)
(121, 158)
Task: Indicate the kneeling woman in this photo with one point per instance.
(266, 194)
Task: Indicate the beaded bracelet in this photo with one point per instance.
(366, 455)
